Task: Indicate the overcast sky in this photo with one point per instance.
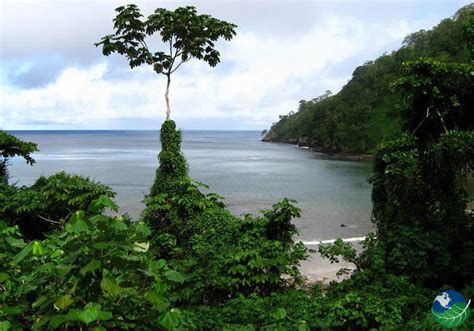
(52, 76)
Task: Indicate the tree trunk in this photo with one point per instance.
(168, 111)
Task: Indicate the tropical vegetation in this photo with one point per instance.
(71, 261)
(367, 109)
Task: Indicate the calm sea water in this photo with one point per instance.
(250, 174)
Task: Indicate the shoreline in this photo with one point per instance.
(329, 154)
(317, 269)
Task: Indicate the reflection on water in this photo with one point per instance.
(250, 174)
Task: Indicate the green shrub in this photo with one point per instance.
(98, 272)
(48, 202)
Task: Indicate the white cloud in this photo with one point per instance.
(259, 78)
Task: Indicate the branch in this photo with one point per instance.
(143, 42)
(173, 58)
(442, 121)
(48, 220)
(171, 46)
(427, 115)
(178, 66)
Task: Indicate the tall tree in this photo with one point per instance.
(419, 194)
(185, 35)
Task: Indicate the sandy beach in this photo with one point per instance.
(318, 269)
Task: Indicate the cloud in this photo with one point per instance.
(53, 77)
(267, 76)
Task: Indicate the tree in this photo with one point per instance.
(419, 194)
(11, 146)
(366, 111)
(187, 34)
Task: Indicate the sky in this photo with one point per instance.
(52, 77)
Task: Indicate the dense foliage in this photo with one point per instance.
(223, 256)
(97, 273)
(366, 111)
(419, 182)
(173, 166)
(189, 264)
(48, 203)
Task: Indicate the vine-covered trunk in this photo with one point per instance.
(168, 111)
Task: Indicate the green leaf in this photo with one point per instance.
(157, 265)
(174, 276)
(46, 267)
(170, 319)
(57, 253)
(143, 229)
(118, 225)
(110, 286)
(90, 267)
(93, 305)
(77, 224)
(4, 276)
(303, 326)
(64, 301)
(103, 202)
(72, 315)
(98, 328)
(22, 254)
(4, 326)
(105, 315)
(156, 299)
(12, 310)
(278, 314)
(63, 269)
(102, 245)
(58, 320)
(14, 242)
(37, 248)
(100, 218)
(89, 315)
(39, 301)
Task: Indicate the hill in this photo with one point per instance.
(366, 110)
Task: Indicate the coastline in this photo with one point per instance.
(342, 156)
(317, 269)
(328, 153)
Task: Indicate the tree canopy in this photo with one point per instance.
(367, 110)
(185, 35)
(11, 146)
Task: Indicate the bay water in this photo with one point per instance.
(334, 195)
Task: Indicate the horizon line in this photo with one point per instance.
(258, 130)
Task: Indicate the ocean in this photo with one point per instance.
(250, 174)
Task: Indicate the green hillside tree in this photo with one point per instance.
(419, 193)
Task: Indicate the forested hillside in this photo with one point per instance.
(366, 110)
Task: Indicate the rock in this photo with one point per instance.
(270, 136)
(293, 141)
(303, 141)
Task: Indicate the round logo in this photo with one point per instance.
(450, 309)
